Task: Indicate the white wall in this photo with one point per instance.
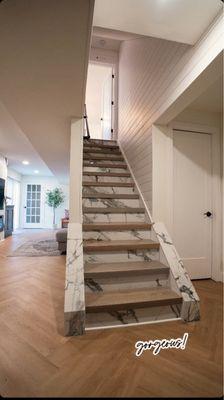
(47, 183)
(3, 175)
(145, 68)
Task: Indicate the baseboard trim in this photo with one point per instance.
(133, 324)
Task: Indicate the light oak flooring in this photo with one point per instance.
(36, 360)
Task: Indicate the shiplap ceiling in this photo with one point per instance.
(178, 20)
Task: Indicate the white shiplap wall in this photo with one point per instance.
(153, 74)
(144, 67)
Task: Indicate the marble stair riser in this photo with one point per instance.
(101, 142)
(109, 189)
(94, 178)
(92, 202)
(126, 283)
(99, 169)
(132, 217)
(132, 316)
(98, 156)
(121, 256)
(104, 162)
(101, 150)
(117, 235)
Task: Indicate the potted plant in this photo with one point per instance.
(54, 198)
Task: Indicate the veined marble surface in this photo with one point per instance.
(190, 309)
(127, 217)
(100, 141)
(98, 169)
(109, 189)
(74, 306)
(105, 162)
(132, 316)
(96, 178)
(117, 235)
(121, 256)
(92, 202)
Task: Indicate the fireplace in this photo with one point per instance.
(1, 223)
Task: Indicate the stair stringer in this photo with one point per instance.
(179, 279)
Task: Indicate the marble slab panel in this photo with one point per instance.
(117, 235)
(96, 178)
(98, 169)
(108, 189)
(100, 141)
(132, 255)
(190, 309)
(132, 316)
(74, 306)
(128, 217)
(92, 202)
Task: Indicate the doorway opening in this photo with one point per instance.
(99, 101)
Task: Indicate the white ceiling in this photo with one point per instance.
(44, 59)
(178, 20)
(211, 100)
(105, 43)
(16, 147)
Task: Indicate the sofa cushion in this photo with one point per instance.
(61, 236)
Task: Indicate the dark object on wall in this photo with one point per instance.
(2, 193)
(9, 218)
(1, 223)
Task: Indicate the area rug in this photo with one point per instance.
(36, 248)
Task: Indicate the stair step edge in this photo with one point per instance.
(97, 302)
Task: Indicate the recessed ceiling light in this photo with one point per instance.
(25, 162)
(36, 171)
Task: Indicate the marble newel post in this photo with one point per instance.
(74, 308)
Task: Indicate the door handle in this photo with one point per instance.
(208, 214)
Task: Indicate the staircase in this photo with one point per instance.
(125, 282)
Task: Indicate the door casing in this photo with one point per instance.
(216, 150)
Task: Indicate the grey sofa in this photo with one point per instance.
(61, 238)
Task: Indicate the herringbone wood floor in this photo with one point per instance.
(36, 360)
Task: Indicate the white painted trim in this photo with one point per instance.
(136, 183)
(216, 190)
(133, 324)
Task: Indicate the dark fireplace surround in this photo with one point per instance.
(1, 223)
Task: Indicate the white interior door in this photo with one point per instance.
(32, 207)
(192, 199)
(107, 108)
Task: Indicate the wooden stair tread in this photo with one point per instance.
(119, 245)
(127, 268)
(116, 226)
(105, 165)
(104, 301)
(108, 184)
(110, 196)
(113, 174)
(113, 210)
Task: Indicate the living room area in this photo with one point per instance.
(33, 202)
